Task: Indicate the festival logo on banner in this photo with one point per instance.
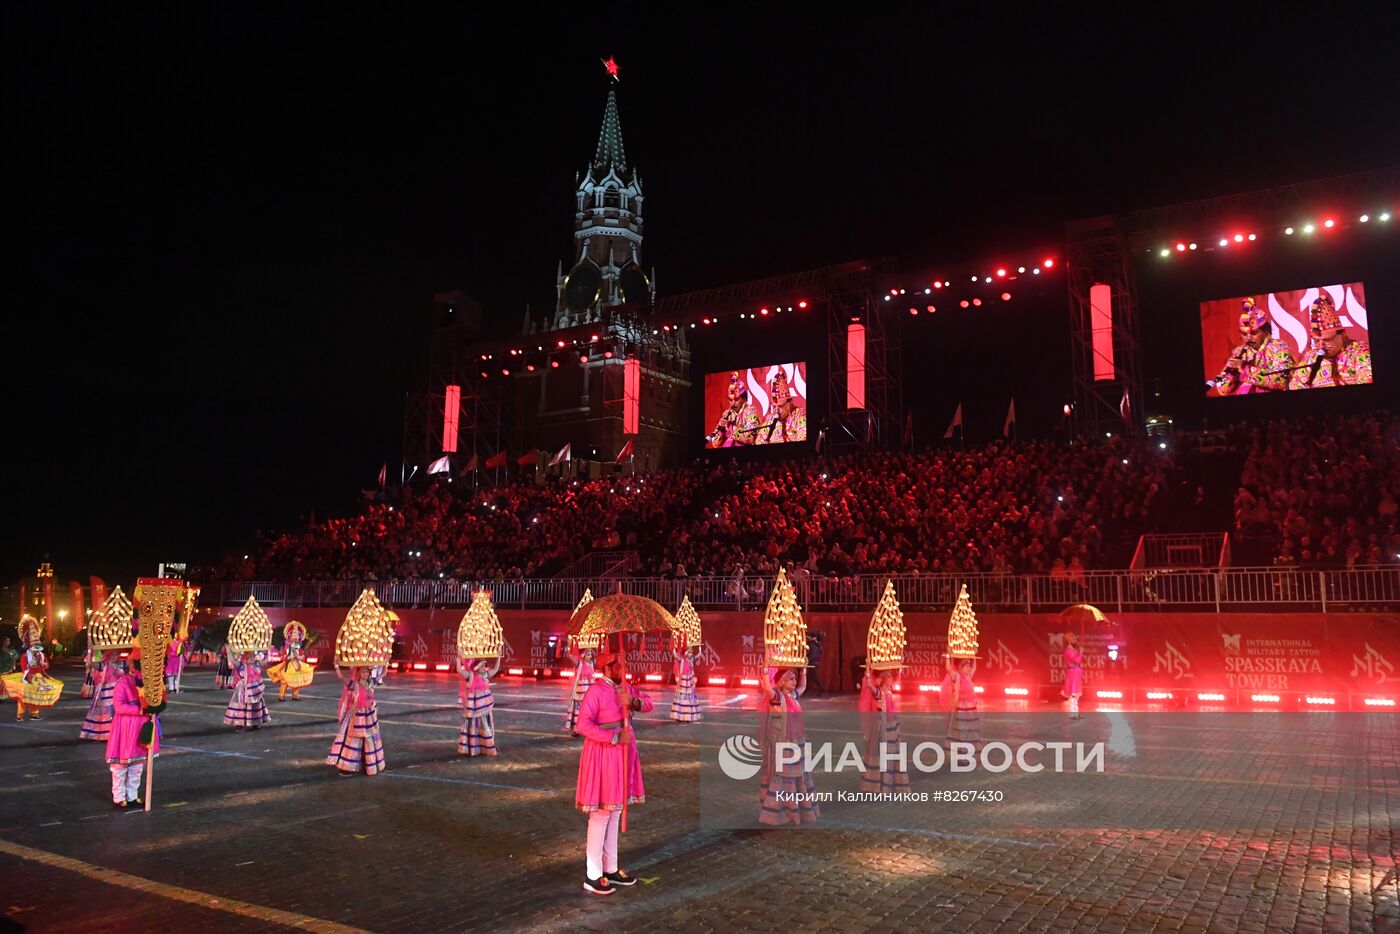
(1001, 658)
(709, 658)
(924, 656)
(648, 653)
(507, 653)
(1172, 662)
(1267, 663)
(419, 648)
(1372, 665)
(751, 658)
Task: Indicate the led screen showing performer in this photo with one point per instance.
(760, 405)
(1286, 341)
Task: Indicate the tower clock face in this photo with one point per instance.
(582, 286)
(635, 287)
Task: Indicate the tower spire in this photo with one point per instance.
(610, 154)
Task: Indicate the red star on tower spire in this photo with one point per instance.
(612, 66)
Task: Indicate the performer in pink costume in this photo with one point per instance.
(1074, 675)
(126, 757)
(478, 733)
(609, 754)
(879, 720)
(173, 658)
(964, 725)
(357, 744)
(685, 706)
(89, 674)
(247, 708)
(98, 722)
(583, 680)
(785, 791)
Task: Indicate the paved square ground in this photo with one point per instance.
(252, 831)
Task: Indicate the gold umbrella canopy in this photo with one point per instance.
(1082, 616)
(621, 612)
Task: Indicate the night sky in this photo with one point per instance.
(226, 222)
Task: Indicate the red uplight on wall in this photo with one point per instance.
(631, 396)
(451, 408)
(1001, 273)
(802, 304)
(1049, 264)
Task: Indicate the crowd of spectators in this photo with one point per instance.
(1310, 492)
(1007, 507)
(1321, 492)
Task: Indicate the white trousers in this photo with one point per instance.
(1074, 705)
(602, 842)
(126, 781)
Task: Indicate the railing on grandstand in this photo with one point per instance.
(1359, 589)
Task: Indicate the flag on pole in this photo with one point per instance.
(496, 460)
(564, 454)
(442, 465)
(627, 451)
(473, 463)
(528, 458)
(955, 423)
(383, 475)
(1125, 408)
(1010, 419)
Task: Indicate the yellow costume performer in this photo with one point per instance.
(32, 687)
(294, 671)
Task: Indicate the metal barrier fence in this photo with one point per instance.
(1359, 589)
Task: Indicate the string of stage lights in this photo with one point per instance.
(592, 346)
(1241, 237)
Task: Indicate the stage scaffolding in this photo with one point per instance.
(1102, 250)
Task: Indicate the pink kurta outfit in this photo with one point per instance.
(879, 719)
(172, 658)
(357, 744)
(1074, 671)
(786, 793)
(98, 722)
(122, 745)
(478, 734)
(600, 768)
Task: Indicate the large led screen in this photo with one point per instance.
(759, 405)
(1311, 338)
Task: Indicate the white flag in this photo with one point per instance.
(442, 465)
(955, 423)
(564, 454)
(1010, 419)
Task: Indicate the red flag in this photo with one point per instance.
(528, 459)
(626, 452)
(79, 610)
(48, 608)
(496, 460)
(99, 593)
(472, 464)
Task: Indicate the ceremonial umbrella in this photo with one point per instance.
(615, 614)
(1082, 614)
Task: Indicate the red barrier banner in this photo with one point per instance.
(1355, 653)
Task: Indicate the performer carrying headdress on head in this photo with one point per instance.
(737, 423)
(126, 754)
(38, 690)
(685, 706)
(247, 708)
(1261, 361)
(583, 680)
(98, 722)
(964, 725)
(1334, 359)
(879, 716)
(174, 660)
(785, 791)
(478, 734)
(357, 745)
(609, 771)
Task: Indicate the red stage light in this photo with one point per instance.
(1181, 248)
(561, 343)
(529, 368)
(1224, 242)
(914, 311)
(554, 364)
(484, 374)
(1329, 223)
(931, 309)
(938, 285)
(1159, 695)
(421, 666)
(441, 668)
(1239, 238)
(749, 682)
(716, 682)
(1112, 695)
(802, 304)
(1067, 410)
(1018, 692)
(515, 671)
(706, 320)
(977, 302)
(1210, 696)
(763, 311)
(1322, 701)
(1006, 296)
(963, 303)
(1049, 264)
(1379, 702)
(1001, 272)
(607, 355)
(505, 372)
(594, 337)
(583, 358)
(653, 677)
(1264, 698)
